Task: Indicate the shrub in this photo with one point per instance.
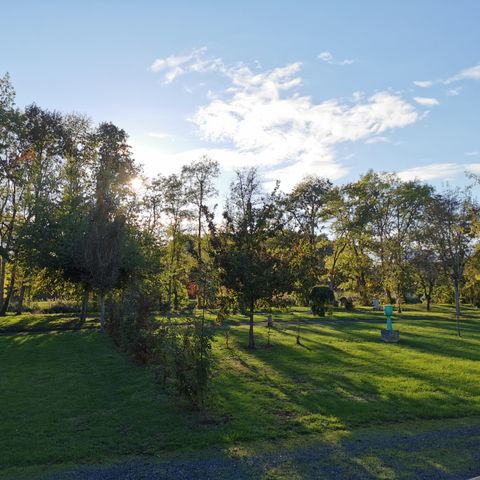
(130, 324)
(179, 353)
(283, 301)
(183, 359)
(227, 301)
(347, 303)
(320, 297)
(49, 307)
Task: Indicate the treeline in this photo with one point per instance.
(79, 220)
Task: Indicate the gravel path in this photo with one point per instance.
(339, 462)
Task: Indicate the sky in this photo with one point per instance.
(331, 88)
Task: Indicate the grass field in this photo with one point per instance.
(71, 397)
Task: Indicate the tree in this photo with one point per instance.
(175, 209)
(241, 246)
(451, 219)
(427, 268)
(385, 214)
(199, 177)
(307, 211)
(32, 145)
(351, 265)
(105, 258)
(12, 172)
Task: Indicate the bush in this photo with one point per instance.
(49, 307)
(347, 303)
(183, 359)
(179, 353)
(131, 326)
(283, 301)
(279, 302)
(320, 297)
(227, 301)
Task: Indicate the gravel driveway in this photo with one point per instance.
(313, 462)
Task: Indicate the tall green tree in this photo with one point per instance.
(307, 210)
(105, 256)
(452, 217)
(241, 246)
(175, 209)
(200, 176)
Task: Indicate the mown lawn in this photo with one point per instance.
(71, 397)
(28, 322)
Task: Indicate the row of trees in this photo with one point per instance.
(74, 222)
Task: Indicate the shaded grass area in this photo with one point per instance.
(71, 397)
(29, 322)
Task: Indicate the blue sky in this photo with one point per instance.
(296, 88)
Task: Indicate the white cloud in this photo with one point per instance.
(473, 168)
(473, 153)
(265, 119)
(377, 139)
(357, 96)
(328, 58)
(427, 101)
(423, 83)
(174, 66)
(472, 73)
(262, 119)
(431, 172)
(161, 135)
(325, 56)
(454, 92)
(438, 171)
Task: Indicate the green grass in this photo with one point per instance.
(70, 397)
(43, 322)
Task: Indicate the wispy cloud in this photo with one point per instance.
(472, 153)
(471, 73)
(431, 172)
(329, 58)
(427, 101)
(423, 83)
(454, 92)
(377, 139)
(175, 65)
(161, 135)
(438, 171)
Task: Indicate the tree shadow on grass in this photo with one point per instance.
(359, 386)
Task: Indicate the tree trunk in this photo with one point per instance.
(199, 260)
(428, 298)
(456, 286)
(362, 289)
(102, 311)
(6, 301)
(399, 304)
(251, 340)
(199, 237)
(175, 297)
(83, 311)
(21, 298)
(3, 269)
(388, 293)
